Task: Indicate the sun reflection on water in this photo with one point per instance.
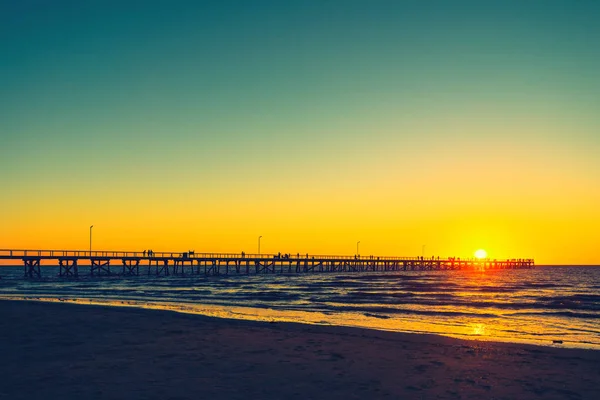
(479, 329)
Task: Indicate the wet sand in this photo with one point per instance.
(68, 351)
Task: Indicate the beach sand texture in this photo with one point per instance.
(67, 351)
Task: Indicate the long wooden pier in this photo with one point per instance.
(127, 263)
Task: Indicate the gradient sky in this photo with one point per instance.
(177, 125)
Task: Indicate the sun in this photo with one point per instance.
(481, 253)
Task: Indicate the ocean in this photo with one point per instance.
(552, 306)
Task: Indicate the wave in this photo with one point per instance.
(576, 301)
(569, 314)
(388, 310)
(376, 316)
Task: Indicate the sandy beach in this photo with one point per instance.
(67, 351)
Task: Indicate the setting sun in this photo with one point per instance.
(481, 253)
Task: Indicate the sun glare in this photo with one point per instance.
(481, 253)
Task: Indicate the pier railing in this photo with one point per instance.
(86, 254)
(20, 253)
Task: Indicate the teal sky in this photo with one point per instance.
(330, 96)
(204, 78)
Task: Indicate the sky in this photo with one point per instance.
(414, 127)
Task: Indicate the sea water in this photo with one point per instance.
(557, 306)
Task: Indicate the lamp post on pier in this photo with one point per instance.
(259, 245)
(357, 252)
(91, 240)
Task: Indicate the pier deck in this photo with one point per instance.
(127, 263)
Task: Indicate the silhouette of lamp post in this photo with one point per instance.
(357, 252)
(91, 239)
(259, 245)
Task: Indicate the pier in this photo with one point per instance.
(73, 263)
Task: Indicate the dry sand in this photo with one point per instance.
(66, 351)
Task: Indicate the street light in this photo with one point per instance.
(357, 252)
(91, 240)
(259, 245)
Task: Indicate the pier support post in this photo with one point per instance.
(131, 266)
(164, 269)
(68, 267)
(100, 266)
(213, 269)
(32, 268)
(176, 264)
(179, 266)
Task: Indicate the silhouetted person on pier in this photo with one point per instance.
(144, 252)
(243, 254)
